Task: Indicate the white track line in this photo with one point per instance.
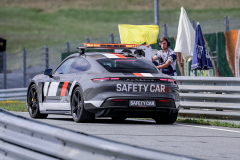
(227, 130)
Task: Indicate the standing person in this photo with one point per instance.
(167, 58)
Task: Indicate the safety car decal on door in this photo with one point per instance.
(57, 88)
(63, 89)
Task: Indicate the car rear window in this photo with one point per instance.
(127, 65)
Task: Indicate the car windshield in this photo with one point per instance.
(127, 65)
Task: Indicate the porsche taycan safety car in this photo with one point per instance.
(98, 84)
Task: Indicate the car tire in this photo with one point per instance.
(33, 103)
(167, 120)
(79, 114)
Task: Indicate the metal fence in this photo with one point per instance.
(211, 97)
(212, 26)
(23, 65)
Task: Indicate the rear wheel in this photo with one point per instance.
(79, 114)
(33, 103)
(167, 120)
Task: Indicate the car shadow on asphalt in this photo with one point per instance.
(127, 121)
(110, 121)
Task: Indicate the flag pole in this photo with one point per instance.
(181, 65)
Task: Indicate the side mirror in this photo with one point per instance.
(48, 72)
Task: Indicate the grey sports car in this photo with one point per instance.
(98, 84)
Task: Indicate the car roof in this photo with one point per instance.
(103, 55)
(92, 58)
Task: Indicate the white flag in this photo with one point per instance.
(185, 37)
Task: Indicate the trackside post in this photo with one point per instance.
(24, 67)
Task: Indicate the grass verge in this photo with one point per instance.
(207, 122)
(14, 106)
(202, 122)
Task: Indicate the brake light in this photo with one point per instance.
(119, 100)
(100, 79)
(162, 100)
(162, 79)
(171, 80)
(168, 80)
(104, 79)
(114, 78)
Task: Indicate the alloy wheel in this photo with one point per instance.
(76, 104)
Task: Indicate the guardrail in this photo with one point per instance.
(213, 97)
(25, 138)
(19, 94)
(200, 96)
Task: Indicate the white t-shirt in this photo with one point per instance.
(163, 57)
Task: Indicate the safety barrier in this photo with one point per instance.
(200, 96)
(18, 94)
(25, 138)
(215, 97)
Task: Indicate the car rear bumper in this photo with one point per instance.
(134, 112)
(110, 108)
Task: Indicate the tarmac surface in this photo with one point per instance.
(199, 141)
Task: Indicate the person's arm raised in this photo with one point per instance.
(165, 65)
(154, 58)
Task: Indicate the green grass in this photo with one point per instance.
(14, 106)
(33, 28)
(207, 122)
(202, 122)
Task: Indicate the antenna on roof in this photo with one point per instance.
(81, 50)
(140, 52)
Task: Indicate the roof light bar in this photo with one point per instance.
(109, 45)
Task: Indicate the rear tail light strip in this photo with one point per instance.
(163, 100)
(104, 79)
(115, 79)
(168, 80)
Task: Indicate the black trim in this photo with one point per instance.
(129, 74)
(48, 88)
(68, 112)
(59, 89)
(148, 112)
(53, 98)
(108, 103)
(68, 89)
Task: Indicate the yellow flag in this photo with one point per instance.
(138, 34)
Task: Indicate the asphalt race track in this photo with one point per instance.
(199, 141)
